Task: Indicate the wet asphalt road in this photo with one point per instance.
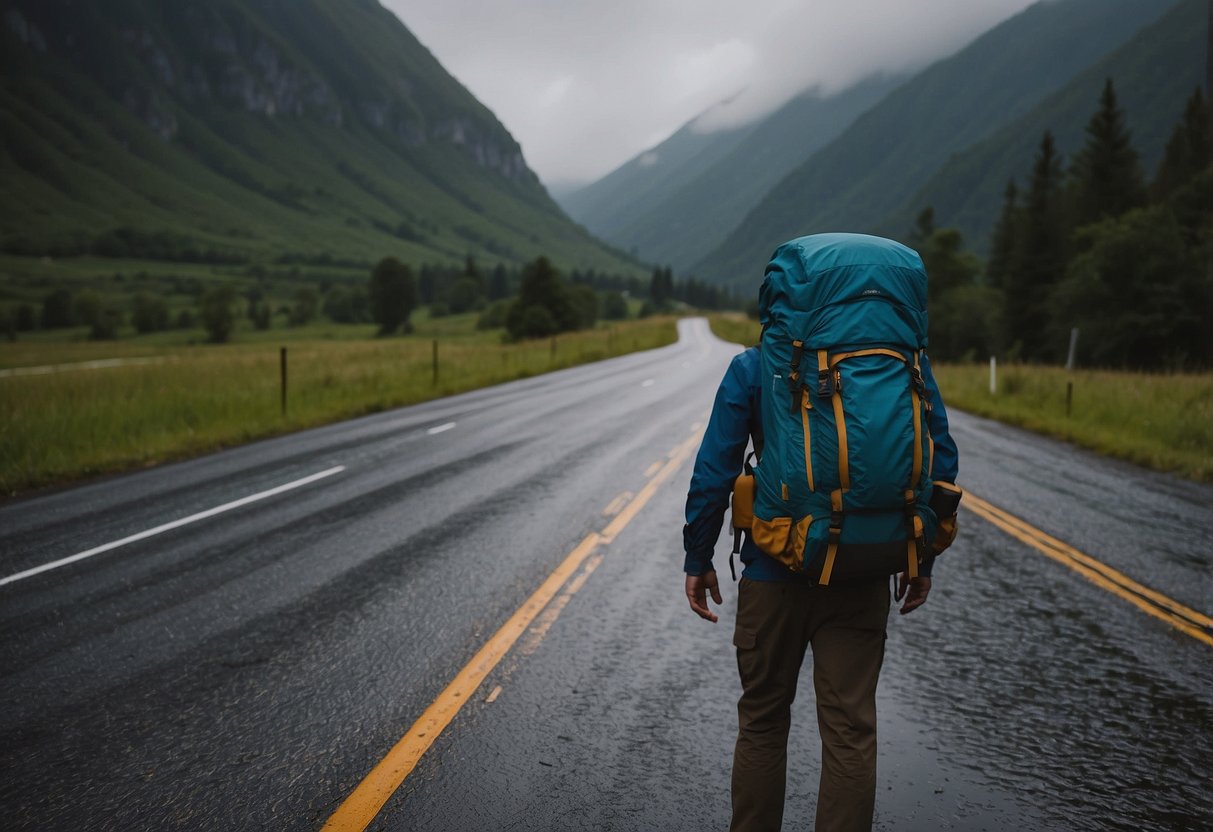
(246, 671)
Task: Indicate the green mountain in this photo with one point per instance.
(254, 130)
(1154, 74)
(890, 152)
(608, 205)
(673, 202)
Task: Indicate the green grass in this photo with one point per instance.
(735, 327)
(1161, 421)
(70, 425)
(325, 182)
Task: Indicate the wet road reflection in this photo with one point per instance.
(1048, 687)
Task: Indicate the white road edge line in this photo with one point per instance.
(193, 518)
(440, 428)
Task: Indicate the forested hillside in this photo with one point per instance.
(890, 152)
(1092, 247)
(240, 131)
(1154, 74)
(678, 199)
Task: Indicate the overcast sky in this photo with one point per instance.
(584, 85)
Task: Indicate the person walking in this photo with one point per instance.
(781, 614)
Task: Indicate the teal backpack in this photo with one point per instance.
(843, 485)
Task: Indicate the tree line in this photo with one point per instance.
(1089, 244)
(532, 301)
(544, 304)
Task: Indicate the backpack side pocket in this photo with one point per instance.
(945, 499)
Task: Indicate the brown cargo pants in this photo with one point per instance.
(845, 625)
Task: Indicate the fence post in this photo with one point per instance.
(1070, 369)
(993, 375)
(282, 373)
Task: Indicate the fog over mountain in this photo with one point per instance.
(586, 86)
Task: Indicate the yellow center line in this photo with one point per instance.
(1181, 617)
(360, 808)
(539, 630)
(677, 457)
(617, 504)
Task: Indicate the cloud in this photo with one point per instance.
(585, 85)
(554, 93)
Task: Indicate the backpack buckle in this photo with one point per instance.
(917, 380)
(825, 384)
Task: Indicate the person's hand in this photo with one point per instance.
(698, 587)
(915, 591)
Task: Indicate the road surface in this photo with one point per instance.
(250, 634)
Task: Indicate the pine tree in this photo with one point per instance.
(1190, 149)
(948, 265)
(1041, 256)
(393, 295)
(1107, 175)
(1001, 264)
(499, 283)
(471, 272)
(924, 227)
(661, 286)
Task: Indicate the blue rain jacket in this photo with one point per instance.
(736, 417)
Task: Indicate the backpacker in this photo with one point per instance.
(843, 486)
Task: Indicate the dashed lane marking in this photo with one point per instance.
(369, 797)
(175, 524)
(440, 428)
(616, 505)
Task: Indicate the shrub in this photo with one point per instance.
(148, 313)
(216, 307)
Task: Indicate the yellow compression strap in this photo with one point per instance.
(914, 531)
(930, 438)
(835, 532)
(916, 473)
(840, 424)
(842, 356)
(806, 404)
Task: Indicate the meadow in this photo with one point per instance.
(175, 399)
(1162, 421)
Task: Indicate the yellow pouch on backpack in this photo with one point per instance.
(743, 502)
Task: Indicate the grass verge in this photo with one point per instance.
(1161, 421)
(65, 426)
